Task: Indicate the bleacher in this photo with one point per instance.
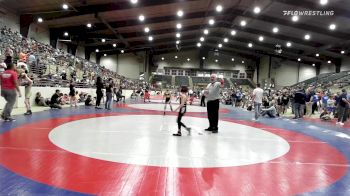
(181, 81)
(242, 82)
(200, 81)
(164, 79)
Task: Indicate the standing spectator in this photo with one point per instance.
(299, 103)
(343, 108)
(109, 94)
(202, 98)
(27, 82)
(99, 93)
(213, 103)
(9, 86)
(257, 97)
(72, 95)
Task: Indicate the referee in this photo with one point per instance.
(213, 98)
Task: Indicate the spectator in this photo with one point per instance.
(9, 86)
(54, 102)
(39, 100)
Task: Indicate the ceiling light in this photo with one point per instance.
(218, 8)
(114, 45)
(216, 60)
(103, 40)
(233, 32)
(250, 45)
(147, 29)
(275, 30)
(288, 44)
(201, 39)
(323, 2)
(89, 25)
(141, 18)
(243, 23)
(66, 34)
(261, 38)
(177, 41)
(225, 40)
(257, 10)
(105, 55)
(65, 6)
(162, 58)
(180, 13)
(219, 45)
(122, 51)
(178, 35)
(133, 1)
(317, 55)
(199, 45)
(295, 18)
(150, 38)
(188, 59)
(329, 62)
(232, 59)
(342, 52)
(243, 62)
(299, 59)
(332, 27)
(211, 21)
(40, 20)
(307, 37)
(176, 57)
(206, 31)
(178, 25)
(313, 64)
(203, 58)
(97, 50)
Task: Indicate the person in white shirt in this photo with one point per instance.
(213, 101)
(257, 96)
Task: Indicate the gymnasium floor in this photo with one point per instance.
(130, 150)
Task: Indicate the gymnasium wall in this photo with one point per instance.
(93, 57)
(130, 65)
(39, 33)
(345, 64)
(80, 52)
(327, 68)
(285, 72)
(9, 19)
(110, 62)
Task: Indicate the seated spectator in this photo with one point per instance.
(39, 100)
(325, 115)
(120, 96)
(271, 112)
(54, 103)
(89, 101)
(133, 95)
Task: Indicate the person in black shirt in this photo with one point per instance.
(54, 100)
(343, 108)
(299, 104)
(109, 94)
(72, 97)
(88, 101)
(99, 87)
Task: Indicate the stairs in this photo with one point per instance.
(230, 82)
(173, 81)
(190, 82)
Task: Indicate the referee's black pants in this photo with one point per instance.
(213, 113)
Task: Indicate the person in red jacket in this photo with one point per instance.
(9, 86)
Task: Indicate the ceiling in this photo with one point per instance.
(117, 21)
